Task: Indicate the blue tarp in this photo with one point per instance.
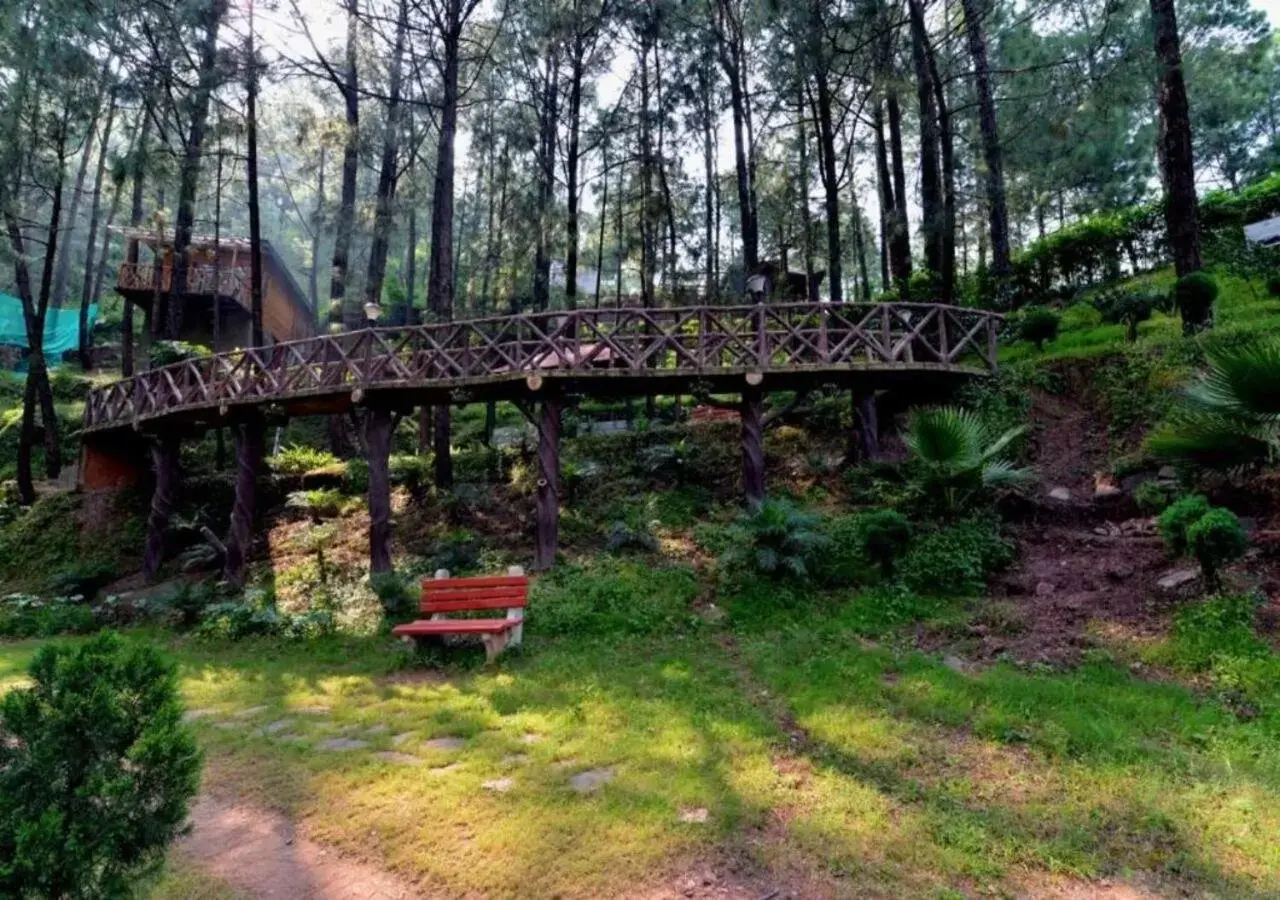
(61, 327)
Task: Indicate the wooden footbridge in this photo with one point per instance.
(534, 360)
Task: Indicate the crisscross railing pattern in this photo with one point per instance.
(696, 342)
(230, 281)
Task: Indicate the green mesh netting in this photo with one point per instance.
(61, 327)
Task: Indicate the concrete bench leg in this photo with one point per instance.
(494, 644)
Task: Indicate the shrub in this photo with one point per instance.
(623, 537)
(1038, 324)
(1216, 627)
(1177, 519)
(96, 771)
(958, 461)
(323, 503)
(1153, 496)
(396, 594)
(1195, 295)
(1216, 539)
(25, 616)
(885, 536)
(777, 541)
(412, 471)
(356, 479)
(955, 561)
(82, 579)
(164, 353)
(253, 616)
(1273, 285)
(299, 460)
(612, 597)
(1128, 307)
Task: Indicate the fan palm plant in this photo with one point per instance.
(957, 459)
(1229, 420)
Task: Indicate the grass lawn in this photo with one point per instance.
(837, 764)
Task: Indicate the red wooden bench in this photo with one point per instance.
(443, 594)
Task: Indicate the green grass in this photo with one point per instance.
(914, 780)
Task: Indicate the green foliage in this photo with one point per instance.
(254, 616)
(1273, 285)
(83, 579)
(26, 616)
(96, 771)
(396, 594)
(45, 544)
(1229, 420)
(1128, 307)
(611, 598)
(356, 479)
(1195, 295)
(1039, 325)
(165, 353)
(956, 560)
(1177, 520)
(410, 470)
(957, 461)
(298, 459)
(322, 503)
(1216, 539)
(1217, 627)
(881, 537)
(1153, 496)
(775, 541)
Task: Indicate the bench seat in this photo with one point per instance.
(426, 627)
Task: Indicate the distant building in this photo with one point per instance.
(1265, 233)
(587, 278)
(218, 285)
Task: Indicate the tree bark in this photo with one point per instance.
(255, 213)
(138, 171)
(932, 219)
(1177, 158)
(317, 228)
(886, 195)
(349, 314)
(388, 170)
(548, 495)
(993, 154)
(753, 478)
(900, 228)
(547, 120)
(250, 447)
(95, 210)
(440, 264)
(165, 457)
(571, 176)
(378, 427)
(210, 18)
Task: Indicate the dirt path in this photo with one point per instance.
(256, 851)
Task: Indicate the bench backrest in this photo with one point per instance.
(446, 595)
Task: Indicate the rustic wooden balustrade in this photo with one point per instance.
(639, 343)
(230, 281)
(745, 350)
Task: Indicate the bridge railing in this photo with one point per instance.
(698, 340)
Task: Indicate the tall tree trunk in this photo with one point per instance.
(1177, 160)
(749, 226)
(571, 176)
(210, 18)
(317, 229)
(997, 209)
(95, 209)
(548, 118)
(388, 170)
(250, 446)
(883, 180)
(859, 244)
(831, 186)
(340, 308)
(946, 136)
(138, 171)
(932, 218)
(900, 230)
(604, 220)
(255, 214)
(63, 272)
(668, 208)
(440, 265)
(709, 166)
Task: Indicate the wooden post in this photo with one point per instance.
(548, 498)
(753, 446)
(378, 424)
(250, 445)
(165, 457)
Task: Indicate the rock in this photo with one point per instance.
(591, 780)
(1167, 473)
(1045, 589)
(192, 714)
(378, 729)
(1104, 486)
(401, 738)
(515, 759)
(499, 785)
(440, 771)
(1177, 579)
(694, 816)
(1061, 494)
(530, 738)
(1119, 572)
(445, 743)
(343, 744)
(276, 726)
(956, 664)
(250, 712)
(403, 759)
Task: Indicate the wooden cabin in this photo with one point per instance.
(217, 303)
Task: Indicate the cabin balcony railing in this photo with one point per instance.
(202, 279)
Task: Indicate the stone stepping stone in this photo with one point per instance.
(498, 785)
(515, 759)
(401, 738)
(530, 738)
(293, 738)
(312, 710)
(377, 729)
(696, 816)
(192, 715)
(275, 727)
(439, 771)
(342, 743)
(591, 780)
(250, 712)
(401, 758)
(445, 743)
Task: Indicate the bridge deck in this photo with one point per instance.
(626, 351)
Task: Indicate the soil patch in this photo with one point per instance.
(257, 851)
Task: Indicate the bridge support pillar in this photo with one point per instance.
(250, 443)
(165, 457)
(753, 446)
(442, 442)
(377, 435)
(548, 498)
(114, 462)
